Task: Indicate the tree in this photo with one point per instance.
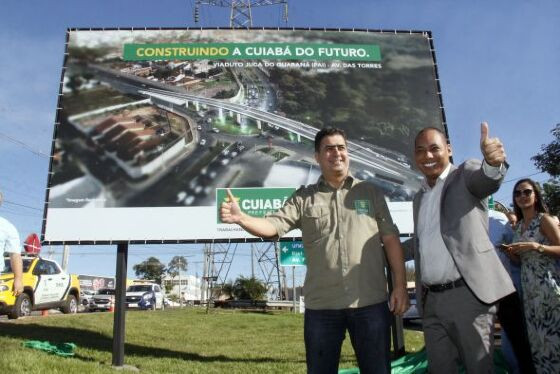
(548, 161)
(152, 269)
(176, 265)
(249, 289)
(227, 290)
(174, 268)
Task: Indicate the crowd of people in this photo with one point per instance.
(464, 277)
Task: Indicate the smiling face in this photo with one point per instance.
(332, 157)
(524, 195)
(431, 153)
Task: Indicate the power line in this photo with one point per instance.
(522, 177)
(22, 205)
(23, 145)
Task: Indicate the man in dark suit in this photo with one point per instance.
(459, 277)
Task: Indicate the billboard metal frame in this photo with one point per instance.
(427, 34)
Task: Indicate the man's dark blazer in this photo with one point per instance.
(464, 228)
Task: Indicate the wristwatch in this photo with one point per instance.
(540, 248)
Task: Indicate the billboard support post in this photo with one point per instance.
(294, 287)
(120, 306)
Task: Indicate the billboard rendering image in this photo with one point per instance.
(153, 125)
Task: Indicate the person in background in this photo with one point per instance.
(11, 245)
(344, 223)
(537, 243)
(512, 218)
(514, 341)
(459, 277)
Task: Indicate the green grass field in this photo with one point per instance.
(170, 341)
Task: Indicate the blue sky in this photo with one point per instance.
(497, 60)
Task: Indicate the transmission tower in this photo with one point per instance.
(217, 263)
(266, 254)
(240, 16)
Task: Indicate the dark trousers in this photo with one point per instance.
(458, 329)
(510, 314)
(369, 330)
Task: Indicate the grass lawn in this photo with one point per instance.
(170, 341)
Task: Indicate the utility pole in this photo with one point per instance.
(180, 284)
(252, 262)
(65, 254)
(240, 10)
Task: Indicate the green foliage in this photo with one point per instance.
(551, 192)
(225, 94)
(249, 289)
(176, 265)
(227, 290)
(548, 161)
(151, 269)
(74, 82)
(382, 108)
(168, 287)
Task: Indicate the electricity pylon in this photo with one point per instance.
(240, 16)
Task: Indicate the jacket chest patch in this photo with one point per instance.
(362, 206)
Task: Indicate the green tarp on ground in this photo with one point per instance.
(417, 363)
(60, 349)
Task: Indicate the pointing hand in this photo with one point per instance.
(492, 148)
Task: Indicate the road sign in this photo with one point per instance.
(292, 254)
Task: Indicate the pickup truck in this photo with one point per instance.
(45, 286)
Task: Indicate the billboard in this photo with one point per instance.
(153, 125)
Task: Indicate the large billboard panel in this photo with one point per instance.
(153, 125)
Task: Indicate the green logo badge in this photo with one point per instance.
(255, 201)
(362, 206)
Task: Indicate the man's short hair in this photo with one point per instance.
(428, 129)
(327, 131)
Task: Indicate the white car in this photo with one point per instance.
(202, 142)
(147, 294)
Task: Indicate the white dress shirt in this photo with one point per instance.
(436, 263)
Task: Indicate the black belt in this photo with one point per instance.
(445, 286)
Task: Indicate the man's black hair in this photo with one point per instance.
(428, 129)
(327, 131)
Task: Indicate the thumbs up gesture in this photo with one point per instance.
(492, 148)
(230, 211)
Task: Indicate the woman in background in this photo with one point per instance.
(537, 243)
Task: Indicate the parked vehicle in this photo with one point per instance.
(140, 295)
(45, 286)
(412, 312)
(85, 297)
(103, 300)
